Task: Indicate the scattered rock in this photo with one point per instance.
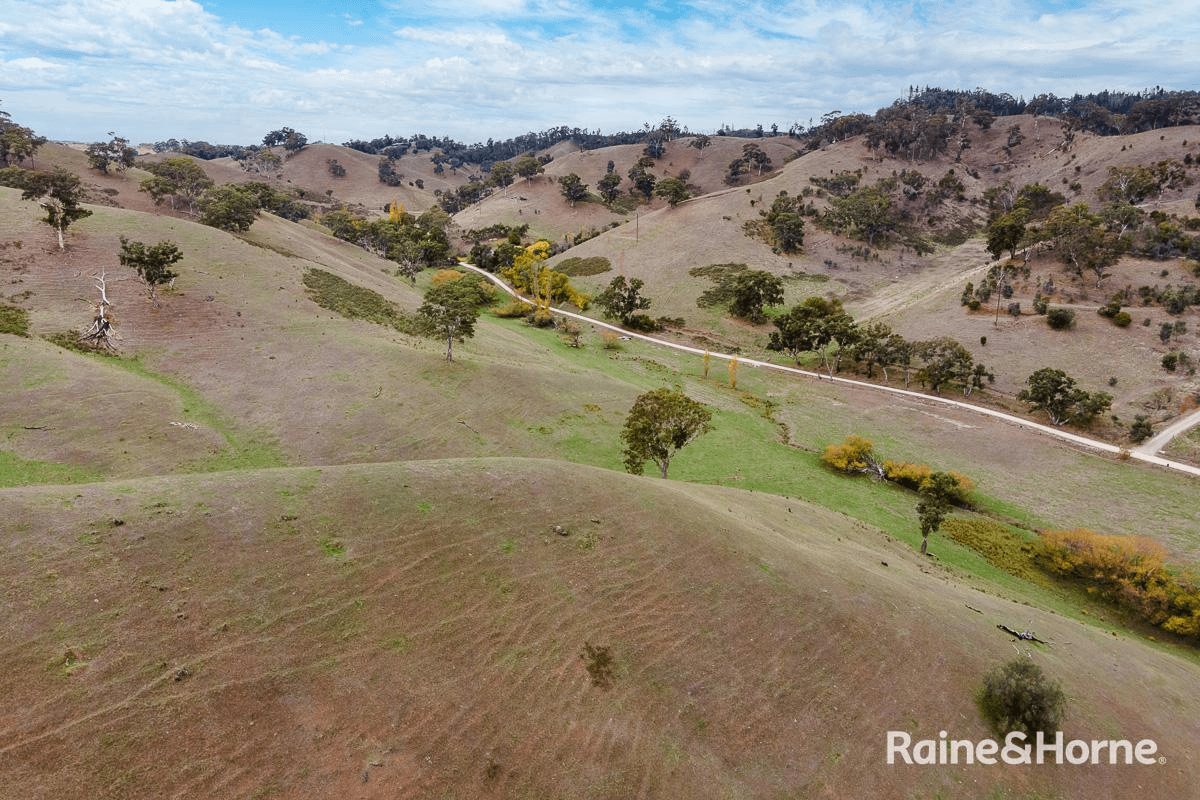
(560, 530)
(181, 673)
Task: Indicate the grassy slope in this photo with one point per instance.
(288, 382)
(290, 632)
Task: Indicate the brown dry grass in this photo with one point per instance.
(416, 630)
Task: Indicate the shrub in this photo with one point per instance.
(914, 476)
(1129, 572)
(999, 546)
(1121, 319)
(14, 177)
(1060, 319)
(854, 454)
(514, 310)
(356, 302)
(643, 323)
(14, 320)
(541, 318)
(1170, 361)
(571, 332)
(1140, 430)
(610, 340)
(443, 275)
(1017, 696)
(910, 476)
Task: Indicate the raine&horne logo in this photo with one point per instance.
(1018, 749)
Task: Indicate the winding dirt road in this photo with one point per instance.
(1146, 452)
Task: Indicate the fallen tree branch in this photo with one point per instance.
(1026, 636)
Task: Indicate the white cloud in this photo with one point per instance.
(463, 9)
(495, 68)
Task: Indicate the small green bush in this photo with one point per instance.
(14, 177)
(1140, 430)
(1017, 696)
(1122, 319)
(541, 318)
(643, 323)
(1060, 319)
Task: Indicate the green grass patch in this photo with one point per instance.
(800, 275)
(14, 320)
(357, 302)
(998, 544)
(69, 340)
(747, 450)
(17, 471)
(577, 267)
(400, 644)
(332, 547)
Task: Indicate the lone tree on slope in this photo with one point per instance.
(937, 493)
(622, 298)
(60, 194)
(153, 263)
(660, 423)
(451, 310)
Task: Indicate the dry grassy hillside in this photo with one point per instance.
(294, 382)
(919, 294)
(279, 552)
(538, 201)
(361, 183)
(421, 630)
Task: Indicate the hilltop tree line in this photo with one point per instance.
(934, 121)
(485, 154)
(917, 123)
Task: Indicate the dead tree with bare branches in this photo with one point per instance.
(101, 332)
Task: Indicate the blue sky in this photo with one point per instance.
(231, 70)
